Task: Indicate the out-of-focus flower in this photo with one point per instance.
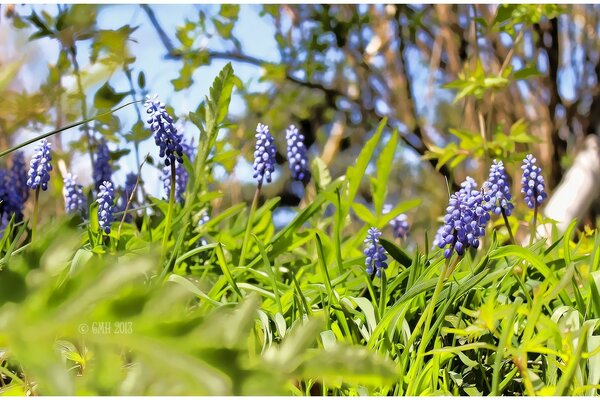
(296, 154)
(74, 197)
(18, 175)
(102, 170)
(399, 224)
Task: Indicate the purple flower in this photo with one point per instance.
(264, 154)
(10, 201)
(18, 174)
(296, 154)
(399, 224)
(126, 191)
(497, 190)
(130, 182)
(74, 198)
(106, 199)
(532, 182)
(40, 167)
(166, 136)
(102, 170)
(375, 253)
(465, 220)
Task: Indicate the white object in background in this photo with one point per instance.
(579, 188)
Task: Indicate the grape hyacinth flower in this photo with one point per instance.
(10, 201)
(497, 194)
(18, 173)
(4, 220)
(399, 224)
(102, 170)
(264, 166)
(130, 182)
(264, 154)
(74, 198)
(498, 190)
(126, 191)
(376, 257)
(465, 220)
(296, 154)
(106, 199)
(204, 218)
(181, 175)
(166, 136)
(40, 167)
(532, 183)
(534, 189)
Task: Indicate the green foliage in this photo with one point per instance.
(477, 83)
(170, 306)
(503, 146)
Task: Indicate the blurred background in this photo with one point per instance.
(462, 85)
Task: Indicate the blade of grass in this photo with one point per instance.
(64, 128)
(504, 340)
(271, 271)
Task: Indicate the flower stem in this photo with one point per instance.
(510, 234)
(533, 224)
(382, 294)
(168, 221)
(36, 206)
(249, 224)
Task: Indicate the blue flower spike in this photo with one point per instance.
(376, 256)
(497, 190)
(166, 136)
(532, 183)
(264, 154)
(106, 199)
(296, 154)
(466, 217)
(40, 167)
(74, 198)
(102, 169)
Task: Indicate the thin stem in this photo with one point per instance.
(249, 224)
(429, 316)
(168, 220)
(533, 224)
(510, 234)
(369, 286)
(482, 129)
(73, 125)
(382, 294)
(36, 206)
